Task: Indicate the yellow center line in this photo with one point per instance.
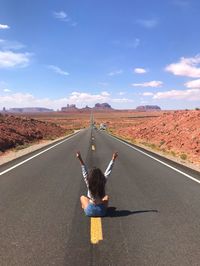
(96, 234)
(93, 148)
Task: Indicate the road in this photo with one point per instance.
(153, 219)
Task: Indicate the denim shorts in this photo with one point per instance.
(95, 210)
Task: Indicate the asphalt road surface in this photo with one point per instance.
(153, 219)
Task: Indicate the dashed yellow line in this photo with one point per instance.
(96, 234)
(93, 148)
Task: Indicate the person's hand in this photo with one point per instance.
(114, 156)
(78, 154)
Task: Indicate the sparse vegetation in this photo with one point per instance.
(166, 132)
(173, 153)
(183, 156)
(162, 142)
(23, 146)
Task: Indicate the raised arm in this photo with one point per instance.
(78, 155)
(83, 167)
(110, 166)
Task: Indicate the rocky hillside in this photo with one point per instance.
(16, 131)
(176, 132)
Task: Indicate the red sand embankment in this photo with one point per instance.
(175, 132)
(15, 131)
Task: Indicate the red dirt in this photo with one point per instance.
(176, 132)
(15, 131)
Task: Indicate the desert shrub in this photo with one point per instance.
(162, 142)
(183, 156)
(134, 141)
(19, 147)
(152, 145)
(197, 109)
(173, 153)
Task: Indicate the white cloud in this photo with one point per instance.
(58, 70)
(147, 23)
(191, 95)
(11, 45)
(61, 15)
(6, 90)
(140, 70)
(4, 87)
(132, 44)
(143, 102)
(105, 93)
(85, 98)
(186, 67)
(136, 43)
(116, 72)
(9, 59)
(153, 84)
(4, 27)
(194, 84)
(121, 100)
(121, 93)
(147, 94)
(79, 98)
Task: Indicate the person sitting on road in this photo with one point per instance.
(96, 202)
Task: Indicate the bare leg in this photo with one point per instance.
(105, 201)
(84, 202)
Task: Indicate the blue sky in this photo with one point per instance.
(126, 53)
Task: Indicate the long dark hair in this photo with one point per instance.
(96, 181)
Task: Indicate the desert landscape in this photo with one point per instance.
(175, 134)
(18, 132)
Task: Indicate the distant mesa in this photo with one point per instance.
(148, 108)
(69, 108)
(102, 106)
(28, 110)
(97, 107)
(86, 108)
(72, 108)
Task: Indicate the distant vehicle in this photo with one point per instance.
(102, 126)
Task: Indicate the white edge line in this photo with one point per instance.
(30, 158)
(152, 157)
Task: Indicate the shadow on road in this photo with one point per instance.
(112, 212)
